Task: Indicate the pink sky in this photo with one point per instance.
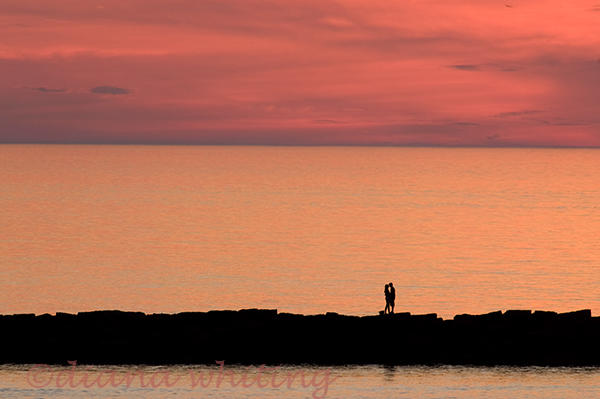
(406, 72)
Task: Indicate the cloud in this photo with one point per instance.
(517, 113)
(47, 90)
(466, 124)
(327, 121)
(109, 90)
(490, 66)
(465, 67)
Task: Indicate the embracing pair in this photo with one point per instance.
(390, 298)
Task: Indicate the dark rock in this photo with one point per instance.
(259, 313)
(221, 315)
(497, 315)
(517, 315)
(263, 336)
(424, 317)
(60, 315)
(544, 315)
(21, 316)
(102, 315)
(285, 315)
(464, 317)
(585, 314)
(400, 316)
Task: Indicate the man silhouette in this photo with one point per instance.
(392, 297)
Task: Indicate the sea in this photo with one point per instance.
(167, 229)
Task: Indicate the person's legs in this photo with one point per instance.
(387, 307)
(391, 306)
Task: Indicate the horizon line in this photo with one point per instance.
(171, 144)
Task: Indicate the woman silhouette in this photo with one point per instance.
(387, 299)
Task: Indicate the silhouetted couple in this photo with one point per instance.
(390, 298)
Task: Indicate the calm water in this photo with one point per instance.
(310, 230)
(367, 382)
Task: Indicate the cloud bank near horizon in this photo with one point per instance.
(301, 72)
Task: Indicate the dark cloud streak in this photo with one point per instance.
(465, 67)
(47, 90)
(109, 90)
(517, 113)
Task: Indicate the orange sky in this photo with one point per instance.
(407, 72)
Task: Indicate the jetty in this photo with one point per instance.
(265, 336)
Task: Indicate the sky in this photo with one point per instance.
(301, 72)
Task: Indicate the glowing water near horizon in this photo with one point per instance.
(307, 230)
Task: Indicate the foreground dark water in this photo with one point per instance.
(363, 382)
